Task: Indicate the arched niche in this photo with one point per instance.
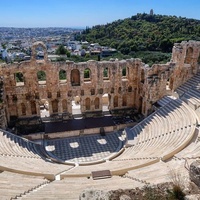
(124, 100)
(33, 108)
(75, 77)
(189, 55)
(96, 103)
(64, 105)
(23, 109)
(115, 101)
(87, 103)
(19, 79)
(55, 106)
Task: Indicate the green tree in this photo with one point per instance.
(61, 50)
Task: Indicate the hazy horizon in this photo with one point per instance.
(79, 14)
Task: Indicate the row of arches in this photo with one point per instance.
(75, 76)
(46, 107)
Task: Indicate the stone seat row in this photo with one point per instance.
(191, 84)
(160, 172)
(71, 188)
(16, 146)
(165, 100)
(13, 184)
(192, 150)
(158, 120)
(166, 130)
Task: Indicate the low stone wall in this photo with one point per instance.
(107, 129)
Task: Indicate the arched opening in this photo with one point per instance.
(105, 102)
(189, 54)
(23, 107)
(64, 105)
(39, 52)
(87, 75)
(106, 73)
(96, 103)
(54, 106)
(62, 76)
(33, 108)
(41, 76)
(44, 108)
(19, 78)
(87, 104)
(115, 101)
(124, 72)
(124, 100)
(76, 106)
(75, 77)
(142, 76)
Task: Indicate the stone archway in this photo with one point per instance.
(44, 108)
(76, 105)
(189, 54)
(41, 46)
(105, 102)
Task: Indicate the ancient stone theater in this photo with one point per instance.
(132, 155)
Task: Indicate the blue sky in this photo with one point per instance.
(82, 13)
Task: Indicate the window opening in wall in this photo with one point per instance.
(19, 78)
(87, 75)
(41, 75)
(76, 106)
(44, 108)
(62, 76)
(105, 74)
(105, 102)
(124, 73)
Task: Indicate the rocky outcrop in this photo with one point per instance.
(195, 172)
(92, 194)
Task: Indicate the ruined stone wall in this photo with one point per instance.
(128, 83)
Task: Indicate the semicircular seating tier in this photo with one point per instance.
(159, 136)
